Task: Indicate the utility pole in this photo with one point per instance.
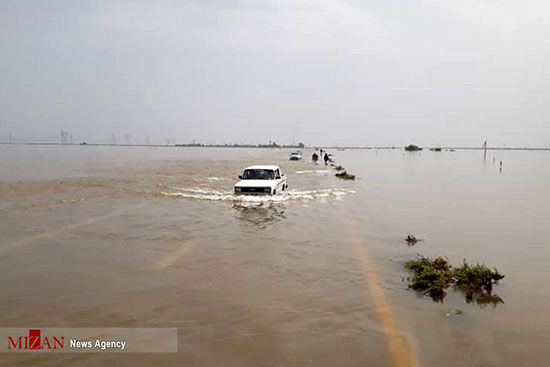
(147, 140)
(10, 137)
(127, 137)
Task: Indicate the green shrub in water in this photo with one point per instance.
(433, 277)
(430, 276)
(345, 176)
(477, 279)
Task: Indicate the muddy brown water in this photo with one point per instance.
(154, 237)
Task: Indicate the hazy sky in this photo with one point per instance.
(327, 71)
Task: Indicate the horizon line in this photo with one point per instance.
(266, 146)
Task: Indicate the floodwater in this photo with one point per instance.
(154, 237)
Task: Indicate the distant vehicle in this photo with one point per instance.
(296, 156)
(261, 180)
(412, 148)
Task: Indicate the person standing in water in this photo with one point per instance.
(326, 158)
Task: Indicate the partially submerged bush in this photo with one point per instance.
(433, 277)
(477, 279)
(345, 176)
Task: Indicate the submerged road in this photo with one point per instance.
(400, 349)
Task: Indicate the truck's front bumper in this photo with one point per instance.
(253, 193)
(253, 190)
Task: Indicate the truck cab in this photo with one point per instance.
(261, 180)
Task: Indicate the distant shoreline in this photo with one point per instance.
(271, 147)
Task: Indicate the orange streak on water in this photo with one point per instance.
(50, 234)
(399, 347)
(174, 256)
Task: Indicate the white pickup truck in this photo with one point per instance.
(261, 180)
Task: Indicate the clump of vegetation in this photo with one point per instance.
(476, 280)
(345, 176)
(339, 168)
(412, 148)
(433, 277)
(484, 299)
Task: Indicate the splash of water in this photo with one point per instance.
(315, 172)
(212, 178)
(213, 195)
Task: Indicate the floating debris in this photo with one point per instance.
(345, 176)
(411, 240)
(456, 311)
(412, 148)
(435, 149)
(339, 168)
(433, 277)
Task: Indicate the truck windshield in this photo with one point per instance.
(258, 174)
